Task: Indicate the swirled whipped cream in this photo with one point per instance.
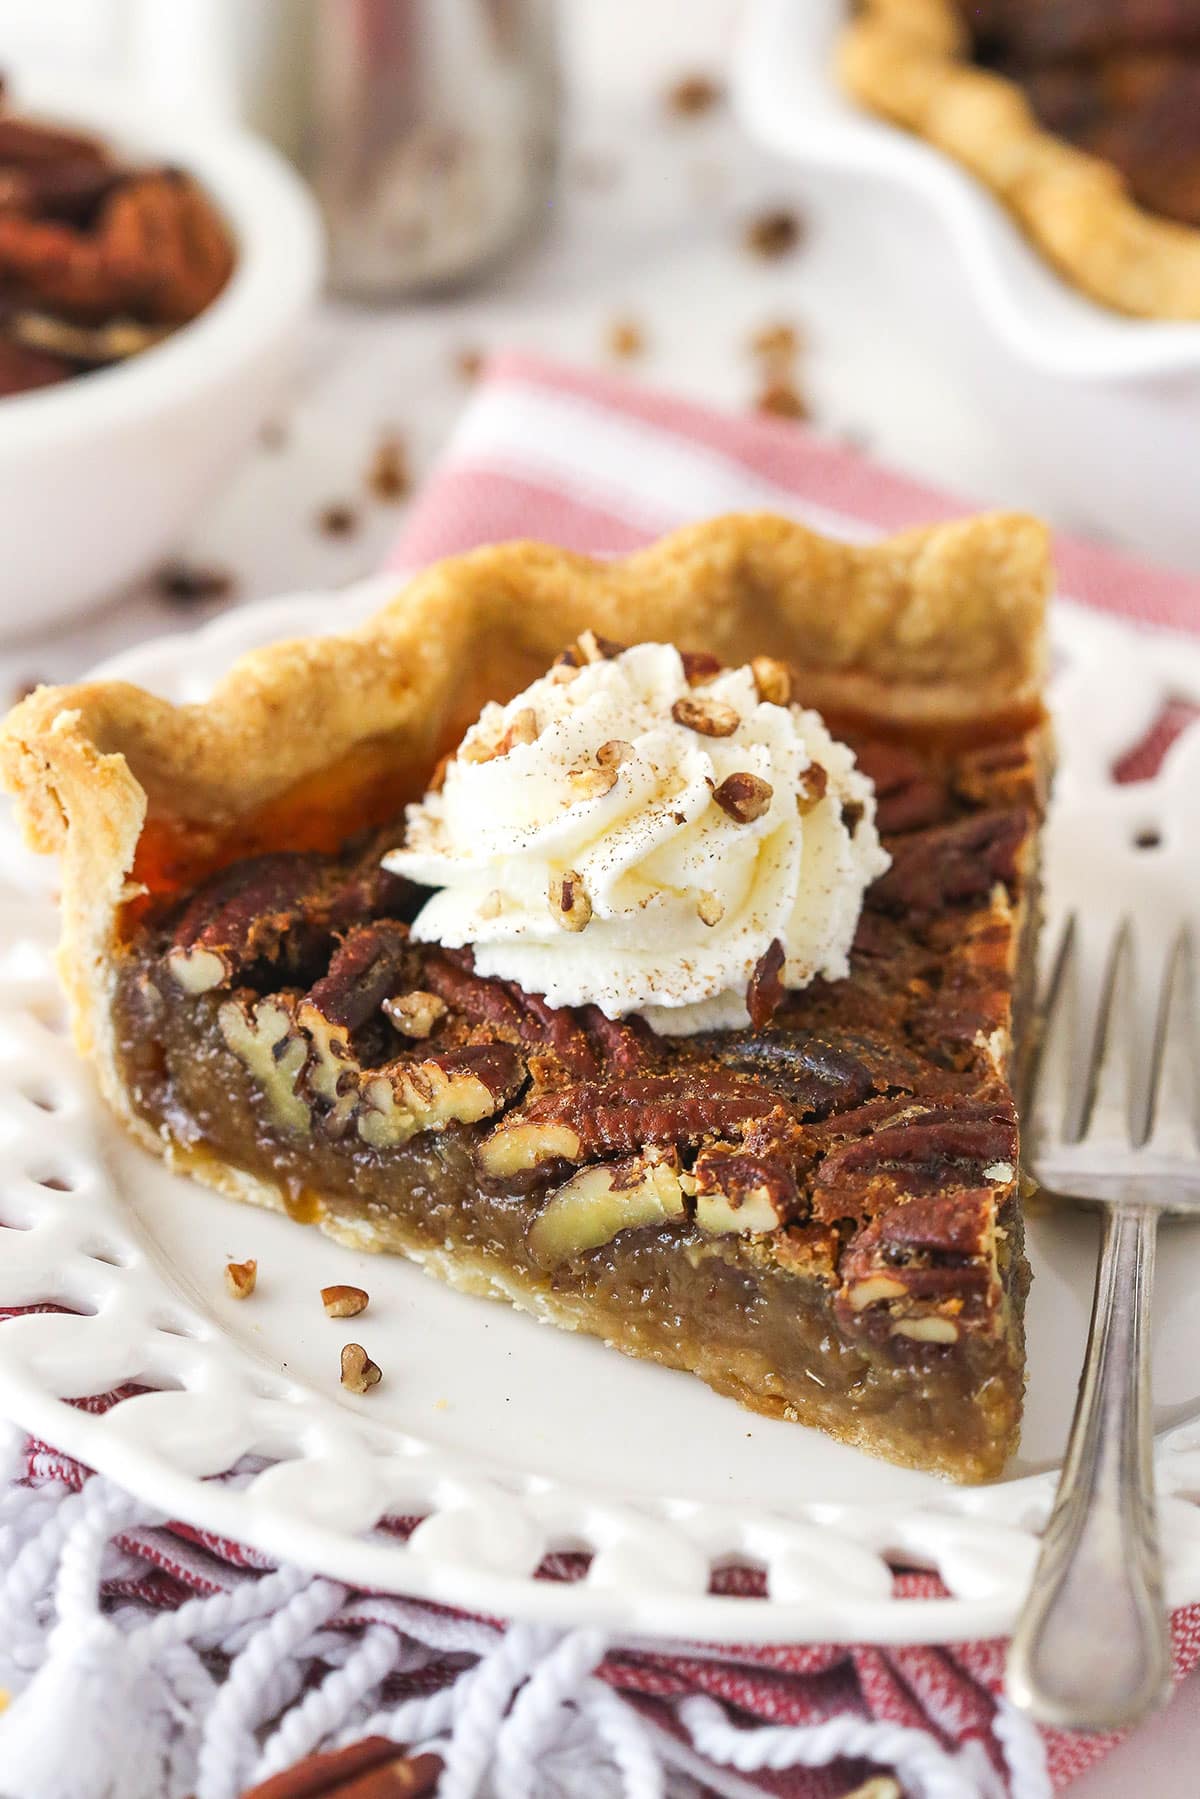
(625, 836)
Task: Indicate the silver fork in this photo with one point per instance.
(1109, 1124)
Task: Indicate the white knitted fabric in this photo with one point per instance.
(130, 1702)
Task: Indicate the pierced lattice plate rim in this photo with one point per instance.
(512, 1442)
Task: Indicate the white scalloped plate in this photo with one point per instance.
(790, 99)
(511, 1440)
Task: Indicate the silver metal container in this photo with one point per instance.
(432, 133)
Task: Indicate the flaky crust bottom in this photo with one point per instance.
(910, 61)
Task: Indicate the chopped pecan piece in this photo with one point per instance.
(589, 646)
(569, 901)
(415, 1014)
(745, 797)
(700, 667)
(592, 783)
(460, 1086)
(359, 1372)
(811, 789)
(773, 680)
(710, 908)
(344, 1302)
(764, 996)
(241, 1278)
(594, 1205)
(709, 717)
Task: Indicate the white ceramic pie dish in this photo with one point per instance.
(510, 1440)
(1104, 408)
(99, 476)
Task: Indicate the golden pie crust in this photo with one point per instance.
(910, 60)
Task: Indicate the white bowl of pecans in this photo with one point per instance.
(155, 274)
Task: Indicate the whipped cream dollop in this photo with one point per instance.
(623, 836)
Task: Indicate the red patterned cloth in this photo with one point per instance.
(591, 463)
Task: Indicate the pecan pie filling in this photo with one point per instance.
(1118, 78)
(817, 1213)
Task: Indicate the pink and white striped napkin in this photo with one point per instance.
(588, 462)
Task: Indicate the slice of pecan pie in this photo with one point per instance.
(1082, 116)
(817, 1211)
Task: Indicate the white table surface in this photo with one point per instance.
(661, 244)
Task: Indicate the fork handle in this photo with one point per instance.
(1092, 1648)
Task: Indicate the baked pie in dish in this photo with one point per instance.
(611, 982)
(1083, 116)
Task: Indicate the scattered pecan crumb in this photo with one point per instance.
(781, 399)
(744, 797)
(779, 342)
(773, 233)
(337, 520)
(359, 1372)
(712, 718)
(415, 1014)
(625, 338)
(614, 752)
(765, 992)
(693, 95)
(467, 363)
(388, 477)
(241, 1278)
(188, 584)
(569, 900)
(344, 1302)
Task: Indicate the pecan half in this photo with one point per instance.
(708, 716)
(816, 1073)
(952, 864)
(933, 1142)
(595, 1119)
(461, 1086)
(509, 1013)
(740, 1192)
(265, 1036)
(744, 797)
(910, 795)
(275, 907)
(590, 1209)
(764, 995)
